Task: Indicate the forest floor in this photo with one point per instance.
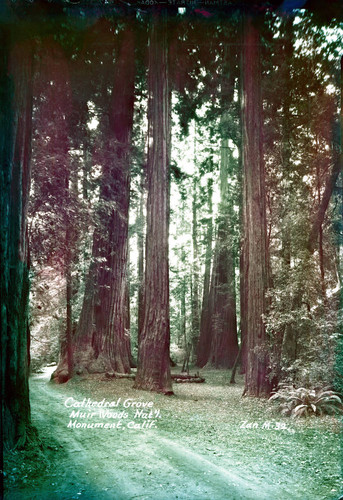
(206, 442)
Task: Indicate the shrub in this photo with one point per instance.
(299, 402)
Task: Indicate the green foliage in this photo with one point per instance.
(301, 116)
(47, 322)
(298, 311)
(303, 402)
(338, 380)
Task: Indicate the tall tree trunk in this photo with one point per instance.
(242, 268)
(102, 339)
(16, 126)
(254, 246)
(69, 324)
(69, 257)
(195, 271)
(204, 342)
(112, 314)
(140, 245)
(111, 340)
(153, 352)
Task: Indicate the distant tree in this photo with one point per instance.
(140, 248)
(204, 341)
(195, 301)
(224, 342)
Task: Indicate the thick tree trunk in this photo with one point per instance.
(110, 339)
(153, 352)
(102, 341)
(15, 123)
(254, 246)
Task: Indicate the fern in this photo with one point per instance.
(298, 402)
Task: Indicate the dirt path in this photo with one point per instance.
(125, 464)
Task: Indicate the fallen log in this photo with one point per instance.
(177, 378)
(120, 375)
(181, 378)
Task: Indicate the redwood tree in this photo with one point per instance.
(15, 122)
(224, 342)
(153, 351)
(102, 339)
(255, 267)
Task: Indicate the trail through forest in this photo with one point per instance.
(207, 442)
(130, 464)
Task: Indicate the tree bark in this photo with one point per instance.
(16, 127)
(254, 246)
(102, 341)
(111, 341)
(153, 352)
